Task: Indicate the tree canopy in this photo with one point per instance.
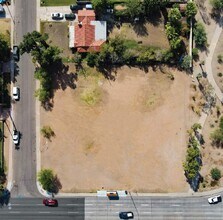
(200, 35)
(46, 178)
(217, 4)
(4, 48)
(191, 10)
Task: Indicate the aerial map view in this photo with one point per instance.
(111, 109)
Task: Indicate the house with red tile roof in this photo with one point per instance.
(87, 34)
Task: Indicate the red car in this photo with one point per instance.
(50, 202)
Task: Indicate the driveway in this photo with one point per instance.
(45, 12)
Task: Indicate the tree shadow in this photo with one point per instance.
(140, 29)
(56, 185)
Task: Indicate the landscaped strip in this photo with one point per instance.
(57, 2)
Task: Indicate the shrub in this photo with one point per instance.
(186, 63)
(47, 132)
(220, 74)
(195, 53)
(215, 174)
(220, 58)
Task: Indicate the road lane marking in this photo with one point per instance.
(118, 204)
(14, 212)
(144, 204)
(175, 205)
(73, 212)
(88, 204)
(44, 212)
(89, 212)
(146, 212)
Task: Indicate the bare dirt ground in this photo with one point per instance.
(132, 136)
(147, 34)
(58, 35)
(5, 25)
(211, 155)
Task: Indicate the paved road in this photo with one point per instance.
(97, 208)
(33, 209)
(24, 165)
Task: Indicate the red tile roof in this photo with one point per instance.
(85, 32)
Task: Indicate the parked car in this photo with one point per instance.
(126, 215)
(16, 137)
(16, 93)
(75, 7)
(57, 15)
(89, 6)
(50, 202)
(214, 199)
(70, 16)
(15, 53)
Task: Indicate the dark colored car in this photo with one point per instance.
(50, 202)
(70, 16)
(15, 53)
(126, 215)
(75, 7)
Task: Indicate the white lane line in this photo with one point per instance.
(89, 212)
(73, 212)
(73, 204)
(144, 204)
(44, 212)
(175, 205)
(118, 204)
(88, 204)
(178, 212)
(146, 212)
(14, 212)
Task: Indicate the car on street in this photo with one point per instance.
(70, 16)
(16, 137)
(57, 15)
(126, 215)
(214, 199)
(50, 202)
(15, 53)
(75, 7)
(16, 93)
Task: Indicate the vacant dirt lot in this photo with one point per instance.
(131, 135)
(149, 34)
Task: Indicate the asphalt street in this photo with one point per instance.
(98, 208)
(24, 159)
(33, 209)
(154, 208)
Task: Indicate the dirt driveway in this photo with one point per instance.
(132, 137)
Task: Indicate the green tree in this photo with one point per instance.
(174, 16)
(186, 63)
(42, 94)
(176, 43)
(152, 6)
(33, 41)
(215, 174)
(46, 178)
(200, 35)
(217, 4)
(92, 59)
(171, 31)
(217, 136)
(99, 6)
(4, 48)
(191, 10)
(134, 8)
(113, 52)
(47, 132)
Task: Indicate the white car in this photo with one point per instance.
(214, 199)
(15, 137)
(57, 15)
(15, 93)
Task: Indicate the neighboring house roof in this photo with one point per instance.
(88, 34)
